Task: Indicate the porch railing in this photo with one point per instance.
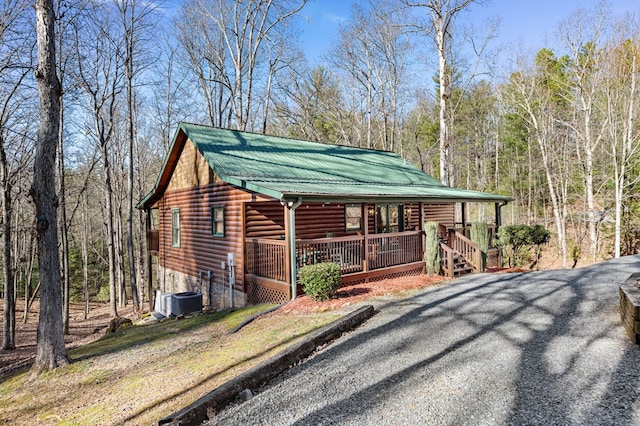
(394, 249)
(446, 260)
(468, 249)
(266, 258)
(345, 251)
(466, 231)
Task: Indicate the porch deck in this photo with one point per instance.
(360, 257)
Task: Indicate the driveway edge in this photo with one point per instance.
(260, 374)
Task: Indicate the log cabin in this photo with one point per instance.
(236, 214)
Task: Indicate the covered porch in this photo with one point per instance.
(368, 240)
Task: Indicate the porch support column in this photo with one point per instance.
(421, 228)
(464, 214)
(365, 238)
(290, 237)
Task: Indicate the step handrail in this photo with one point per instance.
(446, 259)
(469, 250)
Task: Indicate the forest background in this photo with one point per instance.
(554, 127)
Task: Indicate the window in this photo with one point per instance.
(389, 218)
(175, 227)
(353, 217)
(217, 221)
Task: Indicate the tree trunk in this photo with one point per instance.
(130, 41)
(445, 90)
(111, 253)
(9, 326)
(28, 298)
(64, 235)
(50, 351)
(85, 255)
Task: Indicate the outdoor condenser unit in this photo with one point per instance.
(183, 303)
(163, 303)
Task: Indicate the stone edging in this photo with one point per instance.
(630, 307)
(257, 376)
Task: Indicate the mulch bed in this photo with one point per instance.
(353, 294)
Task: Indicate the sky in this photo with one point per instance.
(529, 23)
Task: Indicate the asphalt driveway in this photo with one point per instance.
(542, 348)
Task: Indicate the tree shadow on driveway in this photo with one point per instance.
(537, 348)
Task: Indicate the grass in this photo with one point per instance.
(146, 372)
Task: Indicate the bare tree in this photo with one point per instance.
(226, 41)
(534, 95)
(583, 36)
(15, 66)
(135, 17)
(372, 59)
(100, 76)
(50, 352)
(439, 28)
(621, 68)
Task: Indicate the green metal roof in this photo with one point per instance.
(289, 169)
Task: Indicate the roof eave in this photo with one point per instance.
(310, 197)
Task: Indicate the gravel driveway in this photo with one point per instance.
(542, 348)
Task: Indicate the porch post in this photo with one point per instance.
(290, 237)
(365, 239)
(498, 216)
(421, 227)
(464, 215)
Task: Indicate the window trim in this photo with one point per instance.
(214, 221)
(347, 228)
(176, 232)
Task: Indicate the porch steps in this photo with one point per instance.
(460, 265)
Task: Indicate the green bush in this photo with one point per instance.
(320, 281)
(432, 248)
(516, 242)
(103, 294)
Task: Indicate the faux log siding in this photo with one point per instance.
(444, 214)
(313, 220)
(265, 220)
(199, 250)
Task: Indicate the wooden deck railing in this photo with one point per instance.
(346, 251)
(446, 259)
(466, 231)
(266, 258)
(468, 249)
(394, 249)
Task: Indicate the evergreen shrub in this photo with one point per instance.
(320, 281)
(432, 248)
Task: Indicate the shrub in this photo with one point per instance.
(516, 242)
(320, 281)
(432, 248)
(480, 236)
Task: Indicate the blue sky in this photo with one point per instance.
(528, 22)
